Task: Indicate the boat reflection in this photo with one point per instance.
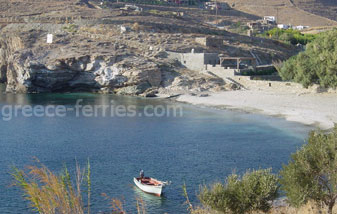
(149, 198)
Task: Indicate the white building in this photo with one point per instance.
(283, 26)
(216, 5)
(300, 27)
(269, 18)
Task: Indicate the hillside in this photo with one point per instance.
(311, 13)
(103, 48)
(325, 8)
(51, 15)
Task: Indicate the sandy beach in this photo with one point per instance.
(317, 109)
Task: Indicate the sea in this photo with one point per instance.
(170, 141)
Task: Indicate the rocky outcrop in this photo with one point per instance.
(82, 73)
(8, 45)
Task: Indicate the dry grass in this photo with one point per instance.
(116, 205)
(135, 26)
(100, 29)
(141, 206)
(49, 193)
(195, 209)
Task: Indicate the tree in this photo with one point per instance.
(316, 65)
(312, 172)
(252, 192)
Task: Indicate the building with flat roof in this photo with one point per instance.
(213, 62)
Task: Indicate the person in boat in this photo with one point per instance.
(141, 174)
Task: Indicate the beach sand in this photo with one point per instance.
(317, 109)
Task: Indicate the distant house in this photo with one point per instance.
(254, 25)
(283, 26)
(259, 26)
(216, 5)
(131, 7)
(269, 19)
(214, 63)
(300, 27)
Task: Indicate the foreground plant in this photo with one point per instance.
(117, 205)
(195, 209)
(49, 193)
(254, 191)
(312, 172)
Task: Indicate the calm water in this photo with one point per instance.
(203, 146)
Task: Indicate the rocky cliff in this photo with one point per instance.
(26, 73)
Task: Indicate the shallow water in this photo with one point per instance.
(202, 146)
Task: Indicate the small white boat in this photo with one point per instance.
(150, 185)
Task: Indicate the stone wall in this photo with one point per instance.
(286, 87)
(193, 61)
(221, 71)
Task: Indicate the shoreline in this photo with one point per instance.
(312, 109)
(309, 108)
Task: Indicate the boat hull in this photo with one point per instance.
(155, 190)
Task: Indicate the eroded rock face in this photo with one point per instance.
(3, 66)
(28, 65)
(8, 45)
(83, 73)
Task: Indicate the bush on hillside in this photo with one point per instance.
(252, 192)
(312, 173)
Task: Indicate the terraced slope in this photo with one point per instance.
(295, 12)
(325, 8)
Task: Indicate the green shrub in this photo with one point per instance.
(71, 28)
(252, 192)
(289, 36)
(312, 172)
(238, 27)
(317, 64)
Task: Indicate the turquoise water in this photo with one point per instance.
(202, 146)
